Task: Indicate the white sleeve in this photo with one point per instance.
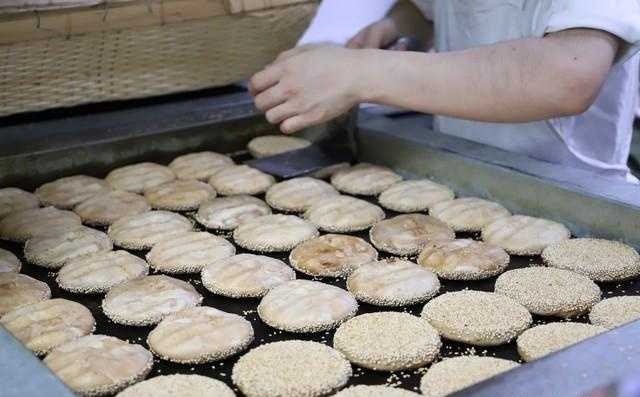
(339, 20)
(618, 17)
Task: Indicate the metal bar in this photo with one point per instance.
(23, 375)
(588, 204)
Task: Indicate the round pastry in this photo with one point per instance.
(328, 171)
(468, 214)
(65, 193)
(227, 213)
(297, 194)
(48, 221)
(178, 385)
(365, 179)
(549, 292)
(99, 365)
(463, 259)
(136, 178)
(99, 272)
(245, 275)
(343, 214)
(306, 306)
(240, 179)
(145, 230)
(524, 235)
(270, 145)
(179, 195)
(108, 207)
(17, 290)
(15, 200)
(407, 234)
(291, 368)
(375, 391)
(53, 252)
(189, 252)
(545, 339)
(476, 317)
(9, 262)
(146, 301)
(199, 166)
(392, 283)
(614, 312)
(387, 341)
(414, 196)
(44, 325)
(600, 260)
(200, 335)
(274, 233)
(332, 255)
(468, 370)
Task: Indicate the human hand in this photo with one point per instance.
(377, 35)
(308, 86)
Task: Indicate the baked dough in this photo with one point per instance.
(468, 214)
(274, 233)
(343, 214)
(53, 252)
(199, 166)
(545, 339)
(178, 385)
(138, 177)
(297, 194)
(9, 262)
(364, 179)
(17, 290)
(240, 179)
(145, 230)
(106, 208)
(414, 196)
(48, 221)
(614, 312)
(227, 213)
(524, 235)
(270, 145)
(15, 200)
(65, 193)
(189, 252)
(407, 234)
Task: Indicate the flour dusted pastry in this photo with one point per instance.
(65, 193)
(227, 213)
(342, 214)
(180, 195)
(274, 233)
(17, 290)
(365, 179)
(136, 178)
(15, 200)
(414, 196)
(199, 166)
(9, 262)
(468, 214)
(297, 194)
(408, 234)
(524, 235)
(463, 259)
(270, 145)
(175, 385)
(145, 230)
(108, 207)
(48, 221)
(189, 252)
(240, 179)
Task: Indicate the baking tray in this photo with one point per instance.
(225, 123)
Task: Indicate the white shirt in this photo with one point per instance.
(596, 140)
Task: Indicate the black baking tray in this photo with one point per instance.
(221, 370)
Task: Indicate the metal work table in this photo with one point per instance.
(32, 152)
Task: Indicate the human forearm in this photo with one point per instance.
(518, 81)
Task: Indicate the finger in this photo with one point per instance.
(264, 79)
(357, 41)
(288, 54)
(374, 39)
(270, 98)
(278, 114)
(296, 123)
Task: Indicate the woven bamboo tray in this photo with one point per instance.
(120, 50)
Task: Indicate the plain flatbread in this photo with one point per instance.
(392, 283)
(332, 255)
(227, 213)
(14, 200)
(178, 385)
(476, 317)
(17, 290)
(99, 272)
(99, 365)
(458, 373)
(549, 292)
(53, 252)
(136, 178)
(146, 301)
(297, 194)
(600, 260)
(545, 339)
(274, 233)
(200, 335)
(240, 179)
(524, 235)
(468, 214)
(9, 262)
(375, 391)
(614, 312)
(23, 225)
(342, 214)
(306, 306)
(42, 326)
(199, 166)
(327, 172)
(145, 230)
(387, 341)
(407, 234)
(414, 196)
(364, 179)
(464, 259)
(270, 145)
(189, 252)
(66, 193)
(106, 208)
(291, 368)
(179, 195)
(245, 275)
